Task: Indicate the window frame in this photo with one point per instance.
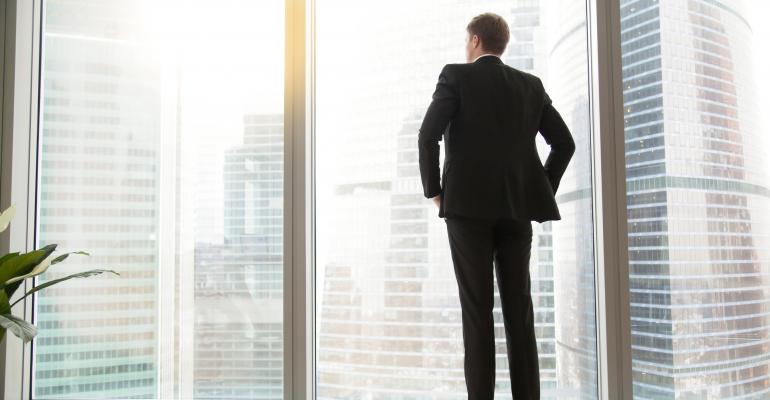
(19, 85)
(20, 94)
(609, 195)
(299, 202)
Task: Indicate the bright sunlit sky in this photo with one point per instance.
(237, 67)
(231, 59)
(759, 17)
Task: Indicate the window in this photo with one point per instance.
(698, 191)
(162, 155)
(158, 143)
(388, 313)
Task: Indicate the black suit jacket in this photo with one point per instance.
(489, 114)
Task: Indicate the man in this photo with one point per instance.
(493, 184)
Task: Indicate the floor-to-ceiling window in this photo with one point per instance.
(161, 154)
(388, 312)
(698, 195)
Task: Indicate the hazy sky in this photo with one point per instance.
(759, 17)
(232, 64)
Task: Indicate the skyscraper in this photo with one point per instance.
(137, 111)
(98, 193)
(239, 293)
(698, 195)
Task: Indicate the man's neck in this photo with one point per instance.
(485, 54)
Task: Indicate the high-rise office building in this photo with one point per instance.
(134, 170)
(98, 193)
(697, 202)
(239, 293)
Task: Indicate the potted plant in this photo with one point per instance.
(16, 267)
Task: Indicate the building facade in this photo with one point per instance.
(698, 195)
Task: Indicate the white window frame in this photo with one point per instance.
(19, 85)
(18, 161)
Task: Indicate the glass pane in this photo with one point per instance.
(161, 155)
(698, 188)
(388, 316)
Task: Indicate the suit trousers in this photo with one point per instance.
(476, 244)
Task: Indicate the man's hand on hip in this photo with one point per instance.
(437, 200)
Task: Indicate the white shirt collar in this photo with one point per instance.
(486, 54)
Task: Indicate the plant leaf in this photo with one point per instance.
(7, 257)
(20, 265)
(5, 308)
(36, 270)
(6, 217)
(43, 266)
(65, 255)
(55, 281)
(21, 328)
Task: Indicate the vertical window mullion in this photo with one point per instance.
(19, 84)
(613, 315)
(298, 249)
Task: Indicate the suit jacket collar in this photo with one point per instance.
(489, 58)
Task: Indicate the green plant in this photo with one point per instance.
(16, 267)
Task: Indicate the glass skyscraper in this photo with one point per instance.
(698, 201)
(99, 148)
(177, 189)
(239, 293)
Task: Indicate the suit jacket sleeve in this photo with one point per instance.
(440, 111)
(558, 136)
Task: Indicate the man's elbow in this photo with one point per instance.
(567, 147)
(421, 138)
(570, 148)
(426, 140)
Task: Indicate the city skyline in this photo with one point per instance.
(164, 159)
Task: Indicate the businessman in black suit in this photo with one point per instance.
(492, 185)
